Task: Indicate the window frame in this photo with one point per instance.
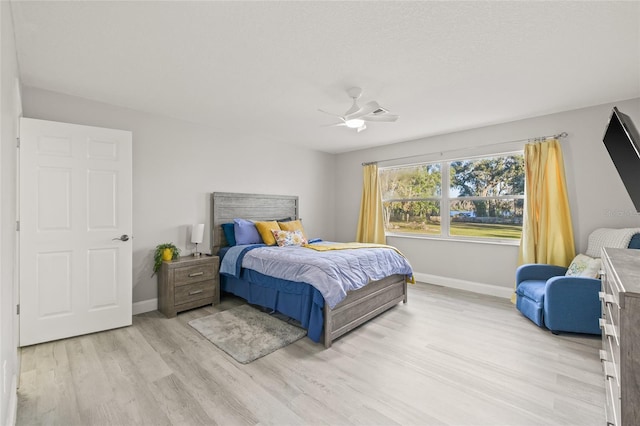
(446, 199)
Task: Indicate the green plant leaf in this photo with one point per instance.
(157, 255)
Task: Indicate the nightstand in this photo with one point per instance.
(188, 282)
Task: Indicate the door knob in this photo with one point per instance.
(123, 237)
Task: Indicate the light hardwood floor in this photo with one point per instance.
(448, 357)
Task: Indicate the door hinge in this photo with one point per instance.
(18, 139)
(17, 225)
(18, 309)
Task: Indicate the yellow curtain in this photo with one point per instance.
(370, 223)
(547, 233)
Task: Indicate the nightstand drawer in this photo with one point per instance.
(191, 292)
(194, 273)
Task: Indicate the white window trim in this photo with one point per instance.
(457, 239)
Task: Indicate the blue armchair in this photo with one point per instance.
(560, 303)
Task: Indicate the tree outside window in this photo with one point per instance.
(483, 198)
(412, 198)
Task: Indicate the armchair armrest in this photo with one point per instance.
(538, 271)
(573, 286)
(572, 304)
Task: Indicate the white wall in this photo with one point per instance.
(597, 195)
(10, 111)
(176, 165)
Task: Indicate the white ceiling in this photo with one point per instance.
(260, 70)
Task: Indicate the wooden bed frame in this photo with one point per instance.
(358, 307)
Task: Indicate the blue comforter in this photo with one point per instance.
(333, 273)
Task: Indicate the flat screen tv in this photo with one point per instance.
(623, 143)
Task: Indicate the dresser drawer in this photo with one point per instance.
(192, 292)
(612, 403)
(609, 284)
(614, 357)
(194, 273)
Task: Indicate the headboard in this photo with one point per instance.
(226, 206)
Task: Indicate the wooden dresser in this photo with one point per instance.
(188, 282)
(620, 323)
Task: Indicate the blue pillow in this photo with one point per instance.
(635, 242)
(229, 233)
(246, 232)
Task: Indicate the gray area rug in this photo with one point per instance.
(246, 333)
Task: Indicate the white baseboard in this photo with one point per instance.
(145, 306)
(489, 289)
(13, 402)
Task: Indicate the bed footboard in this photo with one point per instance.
(363, 304)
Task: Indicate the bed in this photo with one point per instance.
(298, 300)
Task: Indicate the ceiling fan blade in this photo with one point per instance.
(334, 125)
(353, 108)
(365, 110)
(382, 117)
(330, 113)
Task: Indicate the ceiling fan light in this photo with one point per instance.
(354, 123)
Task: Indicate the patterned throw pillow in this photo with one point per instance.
(293, 225)
(289, 238)
(584, 266)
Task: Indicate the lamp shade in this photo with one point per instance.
(197, 233)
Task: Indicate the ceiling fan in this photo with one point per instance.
(356, 116)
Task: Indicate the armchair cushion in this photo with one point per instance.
(532, 289)
(530, 300)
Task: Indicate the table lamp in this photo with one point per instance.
(197, 235)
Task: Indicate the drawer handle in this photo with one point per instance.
(606, 298)
(609, 370)
(196, 274)
(608, 329)
(191, 293)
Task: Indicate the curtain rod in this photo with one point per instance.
(538, 139)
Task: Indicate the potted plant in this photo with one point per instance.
(166, 251)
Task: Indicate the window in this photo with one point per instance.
(476, 198)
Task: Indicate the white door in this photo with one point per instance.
(75, 224)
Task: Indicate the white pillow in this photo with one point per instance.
(607, 237)
(584, 266)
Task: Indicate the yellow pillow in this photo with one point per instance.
(294, 225)
(265, 228)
